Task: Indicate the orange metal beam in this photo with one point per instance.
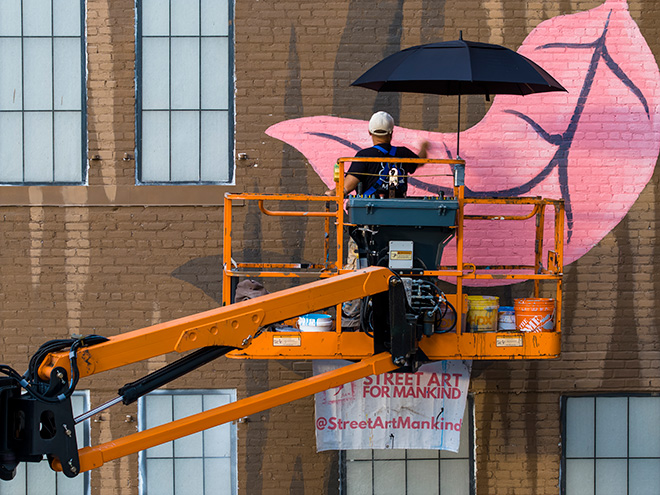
(358, 345)
(276, 213)
(307, 345)
(492, 346)
(93, 457)
(233, 325)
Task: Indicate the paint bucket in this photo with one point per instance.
(482, 313)
(535, 314)
(315, 323)
(506, 321)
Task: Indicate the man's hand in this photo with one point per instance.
(350, 184)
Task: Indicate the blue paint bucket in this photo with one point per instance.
(506, 321)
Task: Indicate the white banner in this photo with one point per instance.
(422, 410)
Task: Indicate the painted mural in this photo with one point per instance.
(595, 146)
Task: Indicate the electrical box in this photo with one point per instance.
(401, 255)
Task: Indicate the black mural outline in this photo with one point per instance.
(563, 141)
(332, 137)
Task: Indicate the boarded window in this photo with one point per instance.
(185, 88)
(199, 464)
(611, 444)
(43, 136)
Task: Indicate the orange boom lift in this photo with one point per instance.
(406, 318)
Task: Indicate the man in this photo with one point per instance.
(381, 179)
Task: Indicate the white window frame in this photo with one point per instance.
(44, 151)
(39, 479)
(184, 129)
(605, 443)
(443, 459)
(143, 423)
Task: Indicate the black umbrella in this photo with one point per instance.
(458, 67)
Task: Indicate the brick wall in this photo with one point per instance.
(111, 91)
(108, 268)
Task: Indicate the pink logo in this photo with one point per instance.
(339, 394)
(595, 146)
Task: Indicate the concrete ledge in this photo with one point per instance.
(114, 195)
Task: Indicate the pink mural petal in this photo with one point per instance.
(595, 146)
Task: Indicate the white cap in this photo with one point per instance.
(381, 123)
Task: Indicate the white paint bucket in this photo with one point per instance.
(315, 323)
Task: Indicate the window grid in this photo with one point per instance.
(145, 456)
(200, 110)
(23, 111)
(434, 455)
(595, 457)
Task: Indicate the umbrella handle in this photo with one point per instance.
(458, 130)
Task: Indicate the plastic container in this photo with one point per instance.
(482, 313)
(315, 323)
(506, 319)
(535, 314)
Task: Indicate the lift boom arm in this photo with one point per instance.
(234, 326)
(32, 428)
(94, 457)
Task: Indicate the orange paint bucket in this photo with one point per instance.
(534, 314)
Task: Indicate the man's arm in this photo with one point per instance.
(350, 184)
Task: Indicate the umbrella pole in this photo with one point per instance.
(458, 130)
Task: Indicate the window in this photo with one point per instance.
(42, 92)
(411, 472)
(199, 464)
(184, 91)
(611, 444)
(39, 479)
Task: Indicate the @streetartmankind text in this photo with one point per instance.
(401, 422)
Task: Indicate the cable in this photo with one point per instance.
(366, 313)
(31, 382)
(448, 304)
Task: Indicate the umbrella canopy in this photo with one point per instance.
(458, 67)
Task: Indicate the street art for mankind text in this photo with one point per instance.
(422, 410)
